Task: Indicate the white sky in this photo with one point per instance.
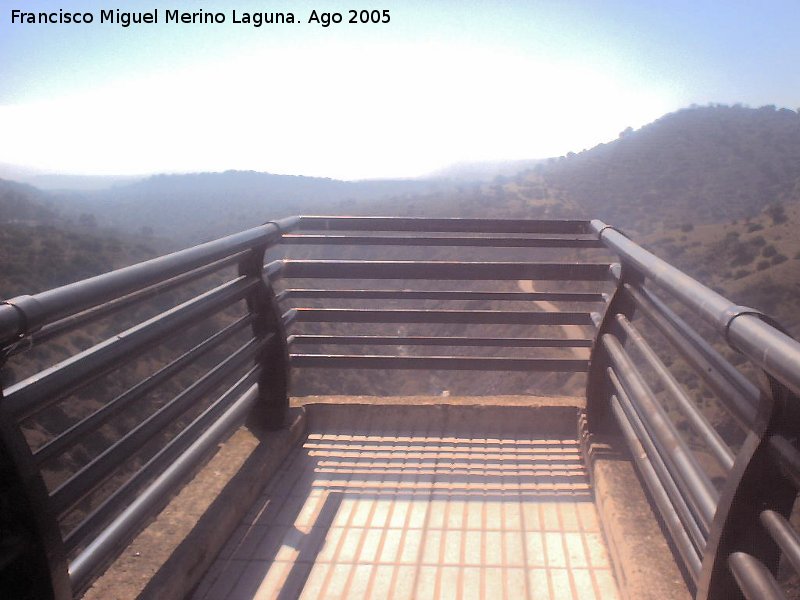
(442, 105)
(436, 86)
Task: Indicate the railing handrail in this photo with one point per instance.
(446, 224)
(25, 314)
(728, 540)
(74, 548)
(745, 329)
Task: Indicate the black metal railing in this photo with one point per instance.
(71, 526)
(729, 534)
(381, 293)
(436, 291)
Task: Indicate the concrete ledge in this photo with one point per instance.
(577, 402)
(644, 564)
(535, 418)
(168, 558)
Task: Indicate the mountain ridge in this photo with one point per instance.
(701, 164)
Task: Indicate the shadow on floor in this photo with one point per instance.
(392, 501)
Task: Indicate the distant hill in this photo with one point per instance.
(703, 164)
(714, 190)
(41, 249)
(34, 258)
(755, 261)
(21, 202)
(484, 170)
(194, 207)
(45, 180)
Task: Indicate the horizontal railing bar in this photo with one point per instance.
(668, 512)
(26, 397)
(769, 348)
(423, 224)
(499, 317)
(782, 532)
(119, 531)
(658, 306)
(474, 271)
(74, 489)
(753, 578)
(731, 387)
(67, 324)
(453, 241)
(441, 295)
(765, 345)
(686, 471)
(377, 340)
(273, 270)
(32, 312)
(288, 318)
(718, 448)
(704, 301)
(157, 463)
(100, 416)
(690, 525)
(452, 363)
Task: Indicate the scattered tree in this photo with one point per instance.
(777, 212)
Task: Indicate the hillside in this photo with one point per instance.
(195, 207)
(187, 209)
(23, 203)
(34, 258)
(41, 249)
(755, 262)
(714, 190)
(698, 165)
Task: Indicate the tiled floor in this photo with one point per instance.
(423, 502)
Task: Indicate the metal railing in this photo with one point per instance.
(729, 536)
(73, 528)
(431, 293)
(295, 310)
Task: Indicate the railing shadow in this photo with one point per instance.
(372, 483)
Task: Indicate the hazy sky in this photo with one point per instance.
(441, 82)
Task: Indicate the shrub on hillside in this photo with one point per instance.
(778, 213)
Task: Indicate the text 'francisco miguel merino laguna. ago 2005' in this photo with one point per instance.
(199, 17)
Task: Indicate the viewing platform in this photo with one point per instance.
(438, 501)
(374, 407)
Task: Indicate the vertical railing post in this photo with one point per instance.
(598, 387)
(33, 563)
(274, 359)
(755, 484)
